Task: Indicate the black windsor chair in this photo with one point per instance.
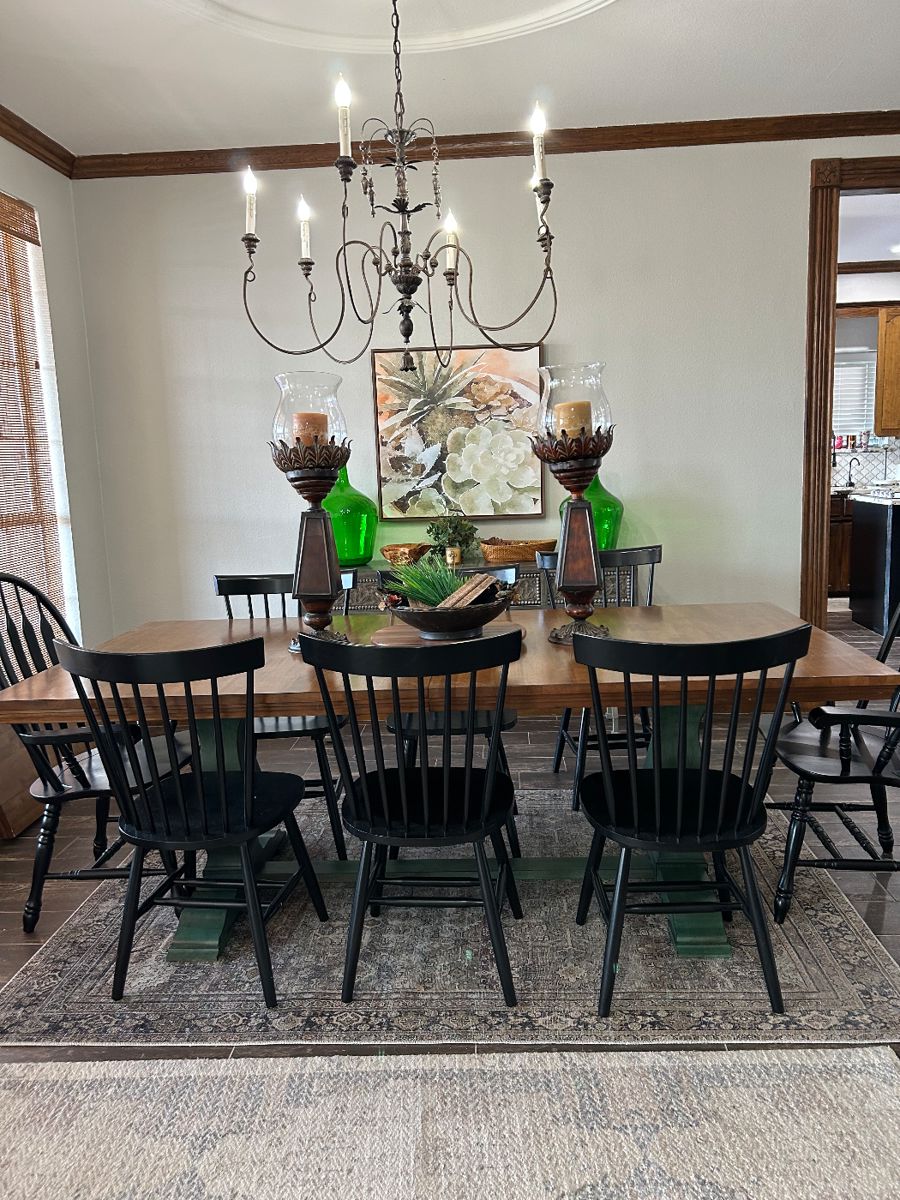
(484, 719)
(840, 744)
(220, 799)
(260, 588)
(711, 799)
(389, 802)
(621, 587)
(67, 764)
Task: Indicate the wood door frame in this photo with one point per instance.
(830, 177)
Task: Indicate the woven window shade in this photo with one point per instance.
(18, 219)
(29, 516)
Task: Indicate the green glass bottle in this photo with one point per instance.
(354, 519)
(607, 511)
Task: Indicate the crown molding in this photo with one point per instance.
(18, 131)
(589, 140)
(592, 140)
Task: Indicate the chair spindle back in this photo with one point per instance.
(182, 790)
(262, 587)
(380, 786)
(727, 786)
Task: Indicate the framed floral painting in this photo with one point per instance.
(455, 438)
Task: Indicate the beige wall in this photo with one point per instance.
(684, 269)
(51, 194)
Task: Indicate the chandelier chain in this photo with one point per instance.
(399, 105)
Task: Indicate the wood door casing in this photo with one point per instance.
(887, 372)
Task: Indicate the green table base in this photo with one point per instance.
(203, 933)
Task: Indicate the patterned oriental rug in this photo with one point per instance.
(751, 1125)
(427, 977)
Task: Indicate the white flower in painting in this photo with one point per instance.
(497, 459)
(428, 503)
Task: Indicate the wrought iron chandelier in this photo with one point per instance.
(391, 257)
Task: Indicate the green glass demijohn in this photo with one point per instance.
(354, 519)
(607, 511)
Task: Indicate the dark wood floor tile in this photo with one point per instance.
(12, 959)
(22, 1054)
(880, 918)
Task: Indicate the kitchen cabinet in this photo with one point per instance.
(840, 531)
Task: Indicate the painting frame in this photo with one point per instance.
(528, 399)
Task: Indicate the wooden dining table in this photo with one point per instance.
(545, 680)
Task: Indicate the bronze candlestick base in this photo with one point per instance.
(312, 472)
(574, 461)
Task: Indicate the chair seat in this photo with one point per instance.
(434, 722)
(433, 831)
(707, 832)
(813, 753)
(293, 727)
(276, 795)
(96, 781)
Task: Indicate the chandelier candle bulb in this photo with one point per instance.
(250, 191)
(572, 416)
(342, 99)
(307, 426)
(303, 216)
(451, 229)
(538, 129)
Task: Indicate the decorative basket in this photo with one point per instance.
(502, 550)
(405, 552)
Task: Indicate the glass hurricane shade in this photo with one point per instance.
(606, 510)
(308, 408)
(354, 519)
(572, 399)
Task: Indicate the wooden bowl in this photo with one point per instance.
(405, 552)
(453, 624)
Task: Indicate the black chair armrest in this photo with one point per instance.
(828, 717)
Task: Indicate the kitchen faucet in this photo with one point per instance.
(850, 471)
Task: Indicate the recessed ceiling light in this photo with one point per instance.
(895, 249)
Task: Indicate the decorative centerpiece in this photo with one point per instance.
(442, 604)
(575, 431)
(309, 444)
(354, 521)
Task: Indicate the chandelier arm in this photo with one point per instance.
(520, 345)
(434, 340)
(249, 276)
(472, 317)
(345, 362)
(342, 259)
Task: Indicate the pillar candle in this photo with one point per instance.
(306, 425)
(571, 416)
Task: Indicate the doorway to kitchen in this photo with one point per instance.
(851, 485)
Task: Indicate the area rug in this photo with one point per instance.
(753, 1125)
(428, 976)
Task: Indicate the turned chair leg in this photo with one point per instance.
(761, 930)
(334, 816)
(724, 893)
(129, 920)
(584, 730)
(885, 832)
(257, 927)
(495, 928)
(377, 891)
(561, 739)
(357, 916)
(588, 883)
(42, 856)
(614, 934)
(101, 841)
(792, 847)
(512, 892)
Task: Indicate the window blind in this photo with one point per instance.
(30, 511)
(854, 392)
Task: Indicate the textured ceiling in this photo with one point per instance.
(131, 75)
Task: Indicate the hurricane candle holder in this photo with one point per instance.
(310, 446)
(575, 432)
